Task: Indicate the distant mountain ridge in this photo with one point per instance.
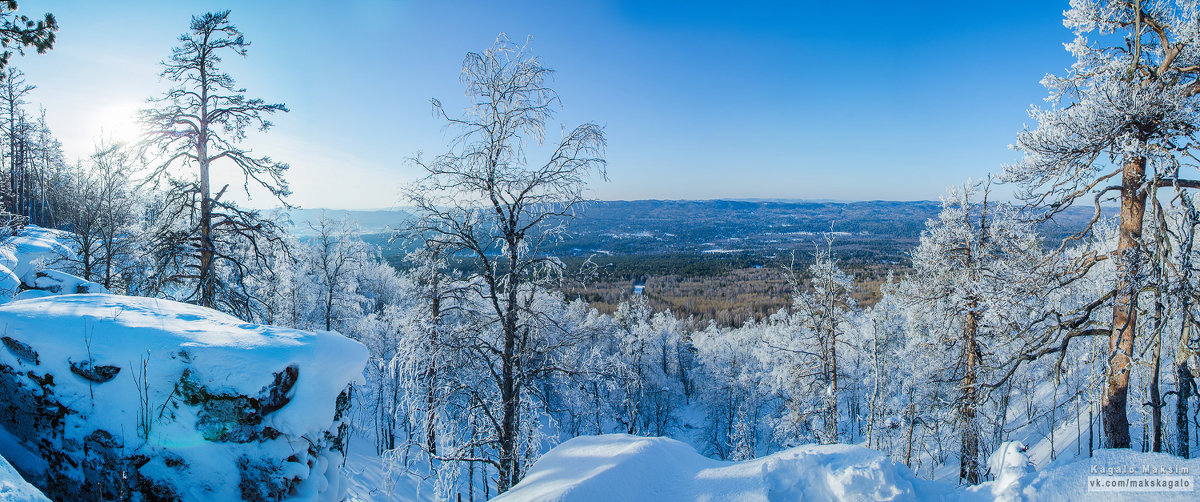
(871, 231)
(371, 221)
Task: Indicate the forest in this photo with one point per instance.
(994, 363)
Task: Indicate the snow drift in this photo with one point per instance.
(622, 467)
(113, 395)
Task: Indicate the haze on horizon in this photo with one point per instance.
(699, 100)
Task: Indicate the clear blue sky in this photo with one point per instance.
(832, 100)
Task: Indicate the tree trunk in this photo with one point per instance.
(508, 391)
(1124, 316)
(1156, 403)
(912, 422)
(435, 314)
(831, 421)
(329, 304)
(872, 442)
(206, 286)
(86, 255)
(968, 466)
(1183, 384)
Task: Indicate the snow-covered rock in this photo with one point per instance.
(620, 467)
(23, 257)
(8, 256)
(112, 394)
(62, 283)
(32, 248)
(10, 284)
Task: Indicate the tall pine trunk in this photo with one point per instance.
(1124, 315)
(206, 283)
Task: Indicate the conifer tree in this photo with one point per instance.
(207, 242)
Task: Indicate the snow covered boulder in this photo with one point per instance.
(10, 284)
(62, 283)
(33, 248)
(629, 468)
(8, 256)
(111, 397)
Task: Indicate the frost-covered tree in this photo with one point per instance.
(973, 288)
(336, 253)
(736, 382)
(486, 201)
(101, 217)
(197, 125)
(882, 329)
(647, 364)
(821, 314)
(1121, 121)
(420, 366)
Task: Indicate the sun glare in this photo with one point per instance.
(117, 121)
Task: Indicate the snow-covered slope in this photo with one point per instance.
(14, 488)
(198, 402)
(1068, 479)
(622, 467)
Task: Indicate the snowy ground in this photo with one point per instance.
(373, 478)
(620, 467)
(1068, 479)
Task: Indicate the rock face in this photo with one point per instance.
(112, 397)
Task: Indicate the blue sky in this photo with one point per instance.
(817, 100)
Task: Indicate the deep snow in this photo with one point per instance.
(623, 467)
(1067, 479)
(620, 467)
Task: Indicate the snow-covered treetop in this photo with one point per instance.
(1130, 93)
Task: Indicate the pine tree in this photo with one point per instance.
(18, 32)
(199, 124)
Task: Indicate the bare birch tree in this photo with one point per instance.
(487, 201)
